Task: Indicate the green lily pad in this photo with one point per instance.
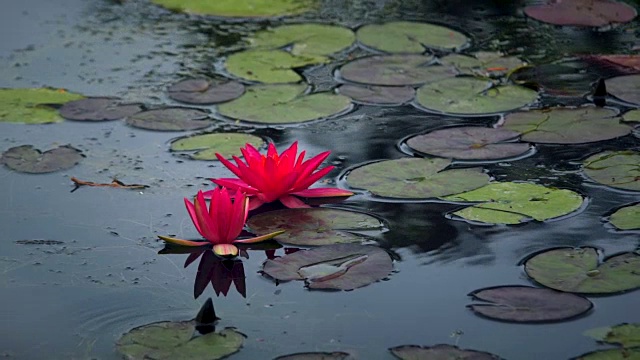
(469, 143)
(410, 37)
(579, 270)
(314, 226)
(626, 335)
(631, 116)
(29, 106)
(339, 266)
(593, 13)
(526, 304)
(414, 178)
(269, 66)
(98, 109)
(238, 8)
(27, 159)
(626, 218)
(611, 354)
(205, 91)
(207, 145)
(305, 39)
(170, 119)
(336, 355)
(283, 104)
(440, 351)
(176, 340)
(483, 63)
(378, 95)
(619, 169)
(473, 96)
(395, 70)
(625, 88)
(515, 203)
(567, 125)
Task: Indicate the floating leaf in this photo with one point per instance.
(469, 143)
(282, 104)
(626, 218)
(593, 13)
(483, 63)
(378, 95)
(626, 335)
(528, 304)
(314, 226)
(567, 125)
(269, 66)
(339, 266)
(175, 340)
(336, 355)
(631, 116)
(27, 159)
(238, 8)
(473, 96)
(29, 106)
(170, 119)
(514, 203)
(98, 109)
(578, 270)
(440, 351)
(205, 91)
(395, 70)
(413, 178)
(619, 169)
(410, 37)
(207, 145)
(305, 39)
(625, 88)
(611, 354)
(569, 78)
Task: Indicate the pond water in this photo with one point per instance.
(100, 274)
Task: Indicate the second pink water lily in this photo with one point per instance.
(277, 177)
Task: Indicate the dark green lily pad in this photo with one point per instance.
(469, 143)
(579, 270)
(171, 119)
(483, 63)
(30, 106)
(395, 70)
(413, 178)
(305, 39)
(283, 104)
(569, 78)
(626, 218)
(526, 304)
(207, 145)
(269, 66)
(593, 13)
(176, 340)
(626, 335)
(473, 96)
(625, 88)
(611, 354)
(336, 355)
(339, 266)
(439, 352)
(314, 226)
(567, 125)
(515, 203)
(238, 8)
(618, 169)
(631, 116)
(98, 109)
(205, 91)
(378, 95)
(410, 37)
(27, 159)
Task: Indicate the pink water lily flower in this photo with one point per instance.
(221, 224)
(277, 177)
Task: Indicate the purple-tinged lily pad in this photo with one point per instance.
(395, 70)
(378, 95)
(611, 354)
(525, 304)
(336, 355)
(579, 270)
(410, 37)
(171, 119)
(27, 159)
(626, 88)
(593, 13)
(469, 143)
(98, 109)
(439, 352)
(618, 169)
(205, 91)
(315, 226)
(339, 266)
(413, 178)
(626, 217)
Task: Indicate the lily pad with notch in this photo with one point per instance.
(205, 146)
(339, 266)
(618, 169)
(526, 304)
(395, 70)
(239, 8)
(415, 178)
(203, 91)
(305, 39)
(593, 13)
(316, 226)
(611, 354)
(27, 159)
(410, 37)
(626, 88)
(378, 95)
(625, 335)
(515, 203)
(469, 143)
(171, 119)
(98, 109)
(626, 217)
(439, 351)
(269, 66)
(579, 270)
(33, 105)
(336, 355)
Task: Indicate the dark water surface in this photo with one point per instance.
(101, 275)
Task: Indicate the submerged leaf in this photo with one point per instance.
(410, 37)
(205, 146)
(28, 159)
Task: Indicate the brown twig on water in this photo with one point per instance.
(114, 184)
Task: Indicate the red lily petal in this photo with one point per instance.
(322, 192)
(192, 213)
(300, 159)
(183, 242)
(238, 215)
(254, 203)
(292, 202)
(259, 238)
(207, 224)
(224, 212)
(232, 184)
(271, 151)
(225, 250)
(288, 157)
(234, 169)
(308, 181)
(310, 165)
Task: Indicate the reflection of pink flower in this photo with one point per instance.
(221, 224)
(277, 177)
